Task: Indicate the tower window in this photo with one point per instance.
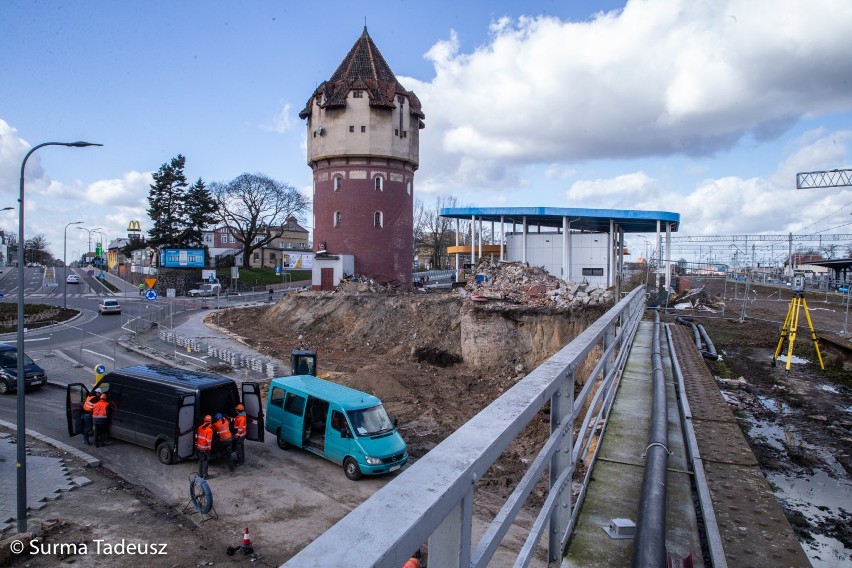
(337, 218)
(396, 131)
(377, 219)
(408, 187)
(351, 128)
(337, 183)
(405, 133)
(363, 129)
(358, 94)
(379, 183)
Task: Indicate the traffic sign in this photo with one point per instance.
(100, 369)
(151, 295)
(151, 282)
(90, 272)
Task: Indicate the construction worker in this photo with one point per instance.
(100, 416)
(414, 561)
(240, 434)
(203, 444)
(224, 438)
(141, 288)
(88, 407)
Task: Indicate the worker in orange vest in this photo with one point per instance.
(224, 438)
(240, 434)
(100, 416)
(414, 561)
(88, 407)
(203, 444)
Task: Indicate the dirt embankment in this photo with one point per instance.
(435, 360)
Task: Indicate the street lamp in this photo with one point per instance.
(65, 262)
(90, 231)
(22, 435)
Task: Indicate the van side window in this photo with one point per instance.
(277, 398)
(338, 422)
(8, 360)
(295, 404)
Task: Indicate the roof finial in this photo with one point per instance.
(365, 24)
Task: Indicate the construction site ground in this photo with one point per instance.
(406, 349)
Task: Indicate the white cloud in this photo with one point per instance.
(660, 77)
(281, 122)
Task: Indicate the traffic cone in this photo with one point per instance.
(247, 547)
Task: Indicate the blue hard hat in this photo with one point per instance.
(218, 416)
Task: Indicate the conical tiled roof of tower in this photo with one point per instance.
(365, 69)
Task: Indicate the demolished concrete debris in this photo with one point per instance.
(696, 299)
(498, 283)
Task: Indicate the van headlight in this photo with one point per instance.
(372, 461)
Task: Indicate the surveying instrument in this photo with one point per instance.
(791, 323)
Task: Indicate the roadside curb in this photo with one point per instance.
(89, 459)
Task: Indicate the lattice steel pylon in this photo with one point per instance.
(830, 178)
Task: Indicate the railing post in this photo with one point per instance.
(561, 405)
(449, 544)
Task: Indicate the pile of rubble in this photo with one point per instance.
(696, 299)
(358, 284)
(498, 283)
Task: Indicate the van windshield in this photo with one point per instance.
(370, 421)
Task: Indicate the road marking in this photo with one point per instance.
(99, 354)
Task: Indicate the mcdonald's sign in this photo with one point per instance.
(133, 227)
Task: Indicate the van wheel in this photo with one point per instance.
(281, 442)
(164, 453)
(351, 469)
(4, 387)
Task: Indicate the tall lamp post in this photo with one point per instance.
(90, 231)
(104, 242)
(21, 425)
(65, 262)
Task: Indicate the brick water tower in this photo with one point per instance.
(363, 148)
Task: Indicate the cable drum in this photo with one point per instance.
(201, 495)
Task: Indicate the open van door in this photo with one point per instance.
(185, 443)
(75, 396)
(254, 411)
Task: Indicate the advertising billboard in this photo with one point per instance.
(182, 258)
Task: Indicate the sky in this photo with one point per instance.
(706, 108)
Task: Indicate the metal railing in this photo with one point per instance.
(433, 499)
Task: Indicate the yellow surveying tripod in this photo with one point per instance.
(791, 323)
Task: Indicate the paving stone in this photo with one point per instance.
(80, 481)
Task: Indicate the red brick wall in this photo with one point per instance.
(384, 254)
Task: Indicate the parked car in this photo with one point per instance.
(206, 290)
(72, 279)
(109, 307)
(34, 376)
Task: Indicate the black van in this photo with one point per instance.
(160, 407)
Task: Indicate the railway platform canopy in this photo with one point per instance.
(527, 234)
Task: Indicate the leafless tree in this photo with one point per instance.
(433, 232)
(255, 208)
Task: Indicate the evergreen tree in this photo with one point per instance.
(199, 213)
(167, 200)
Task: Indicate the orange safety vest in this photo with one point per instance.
(89, 404)
(223, 430)
(100, 410)
(240, 425)
(412, 563)
(204, 438)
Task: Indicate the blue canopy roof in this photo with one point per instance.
(594, 220)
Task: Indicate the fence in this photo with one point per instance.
(433, 499)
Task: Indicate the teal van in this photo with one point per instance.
(341, 424)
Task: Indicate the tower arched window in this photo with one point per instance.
(379, 183)
(338, 182)
(337, 217)
(377, 219)
(408, 187)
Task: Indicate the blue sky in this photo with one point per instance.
(704, 108)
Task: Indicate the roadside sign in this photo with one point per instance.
(150, 282)
(90, 272)
(170, 293)
(151, 295)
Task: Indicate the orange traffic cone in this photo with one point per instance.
(246, 539)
